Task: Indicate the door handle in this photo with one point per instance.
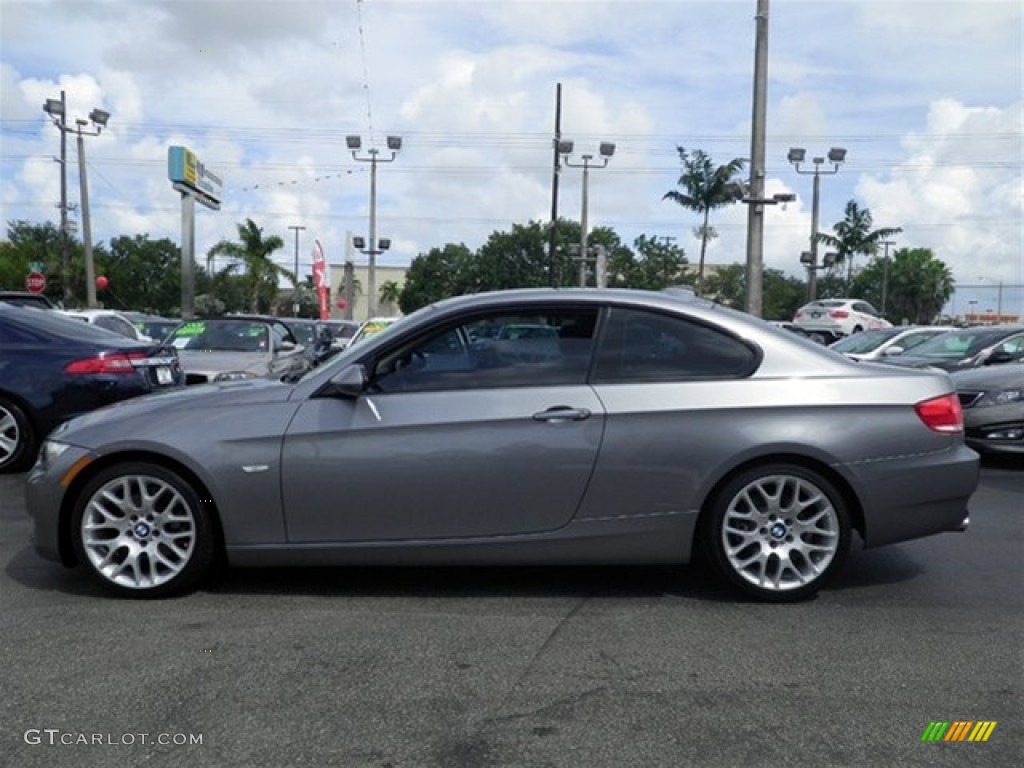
(562, 413)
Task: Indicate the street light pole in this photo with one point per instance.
(885, 274)
(606, 149)
(57, 110)
(836, 156)
(295, 299)
(394, 144)
(99, 120)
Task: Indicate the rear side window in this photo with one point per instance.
(638, 345)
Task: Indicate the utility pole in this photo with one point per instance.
(556, 168)
(755, 213)
(295, 299)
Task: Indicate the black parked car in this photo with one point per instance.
(53, 367)
(993, 403)
(25, 298)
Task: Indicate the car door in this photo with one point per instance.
(674, 394)
(455, 437)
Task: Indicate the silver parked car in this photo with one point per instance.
(658, 426)
(237, 347)
(881, 343)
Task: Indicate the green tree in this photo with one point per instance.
(854, 237)
(28, 244)
(916, 285)
(437, 274)
(516, 259)
(262, 273)
(782, 295)
(389, 294)
(704, 187)
(654, 265)
(143, 274)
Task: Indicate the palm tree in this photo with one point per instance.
(853, 235)
(389, 294)
(253, 252)
(705, 187)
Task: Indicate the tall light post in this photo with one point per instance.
(57, 110)
(394, 144)
(836, 156)
(99, 119)
(885, 274)
(606, 150)
(295, 299)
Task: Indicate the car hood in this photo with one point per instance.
(140, 414)
(198, 361)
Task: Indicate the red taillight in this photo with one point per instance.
(798, 315)
(942, 414)
(115, 363)
(839, 314)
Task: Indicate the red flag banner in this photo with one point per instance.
(322, 280)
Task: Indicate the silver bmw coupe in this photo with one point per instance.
(639, 427)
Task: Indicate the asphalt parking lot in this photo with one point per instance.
(522, 667)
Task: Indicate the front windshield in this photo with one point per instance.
(221, 335)
(866, 341)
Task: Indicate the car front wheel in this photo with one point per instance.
(141, 531)
(778, 532)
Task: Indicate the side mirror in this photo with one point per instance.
(350, 382)
(286, 346)
(894, 350)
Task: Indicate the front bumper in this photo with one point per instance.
(46, 488)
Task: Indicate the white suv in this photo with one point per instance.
(839, 317)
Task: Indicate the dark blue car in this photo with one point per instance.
(53, 368)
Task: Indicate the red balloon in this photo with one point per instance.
(342, 303)
(102, 282)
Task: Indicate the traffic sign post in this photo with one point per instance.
(35, 282)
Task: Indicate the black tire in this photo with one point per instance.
(141, 531)
(18, 441)
(857, 329)
(777, 532)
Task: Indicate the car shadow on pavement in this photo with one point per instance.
(694, 581)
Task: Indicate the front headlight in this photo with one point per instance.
(1001, 397)
(234, 376)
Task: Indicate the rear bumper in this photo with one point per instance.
(910, 497)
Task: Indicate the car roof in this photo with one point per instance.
(27, 298)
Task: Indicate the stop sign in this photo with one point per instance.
(35, 282)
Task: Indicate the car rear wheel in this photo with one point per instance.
(17, 438)
(142, 531)
(778, 532)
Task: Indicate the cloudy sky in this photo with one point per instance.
(925, 95)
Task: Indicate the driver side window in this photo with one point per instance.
(507, 349)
